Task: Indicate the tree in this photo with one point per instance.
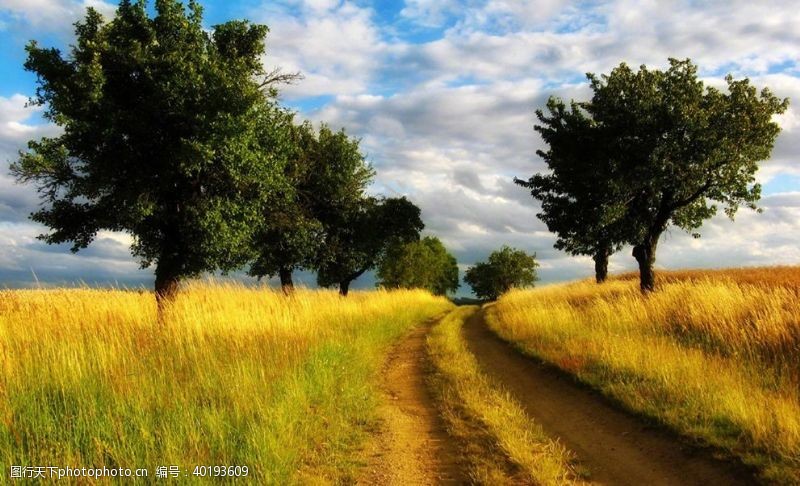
(505, 269)
(580, 197)
(161, 138)
(290, 235)
(424, 264)
(357, 228)
(361, 237)
(680, 148)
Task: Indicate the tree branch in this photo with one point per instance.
(694, 196)
(277, 76)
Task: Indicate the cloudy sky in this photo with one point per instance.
(442, 93)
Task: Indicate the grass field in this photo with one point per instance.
(235, 376)
(712, 354)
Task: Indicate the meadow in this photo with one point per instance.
(231, 376)
(711, 354)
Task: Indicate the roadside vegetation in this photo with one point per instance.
(505, 269)
(235, 376)
(424, 264)
(501, 444)
(712, 354)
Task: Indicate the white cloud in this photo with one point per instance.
(57, 15)
(335, 45)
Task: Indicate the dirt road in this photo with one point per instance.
(413, 447)
(614, 447)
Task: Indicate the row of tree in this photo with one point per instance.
(650, 149)
(174, 134)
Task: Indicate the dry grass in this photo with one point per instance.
(237, 376)
(501, 443)
(713, 354)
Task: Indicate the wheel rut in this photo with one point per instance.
(612, 447)
(413, 447)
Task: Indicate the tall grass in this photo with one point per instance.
(715, 355)
(234, 376)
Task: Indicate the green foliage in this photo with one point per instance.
(290, 235)
(163, 137)
(341, 175)
(580, 197)
(330, 224)
(424, 264)
(682, 146)
(505, 269)
(650, 149)
(680, 149)
(358, 238)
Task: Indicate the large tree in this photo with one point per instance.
(290, 235)
(680, 148)
(361, 237)
(505, 269)
(580, 195)
(424, 264)
(161, 137)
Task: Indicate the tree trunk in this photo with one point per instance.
(166, 286)
(601, 264)
(344, 288)
(287, 284)
(645, 254)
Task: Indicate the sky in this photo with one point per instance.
(442, 94)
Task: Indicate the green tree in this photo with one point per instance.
(505, 269)
(424, 264)
(580, 196)
(679, 148)
(290, 235)
(162, 138)
(360, 238)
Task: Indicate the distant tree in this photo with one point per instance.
(580, 197)
(679, 148)
(161, 137)
(423, 264)
(505, 269)
(363, 236)
(290, 235)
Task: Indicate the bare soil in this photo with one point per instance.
(412, 447)
(612, 446)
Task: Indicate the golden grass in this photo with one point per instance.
(501, 443)
(236, 376)
(713, 354)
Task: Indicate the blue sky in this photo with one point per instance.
(442, 94)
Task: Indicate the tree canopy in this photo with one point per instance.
(359, 238)
(290, 235)
(580, 195)
(424, 264)
(505, 269)
(680, 149)
(163, 137)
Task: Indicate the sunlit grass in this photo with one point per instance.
(234, 376)
(501, 443)
(713, 354)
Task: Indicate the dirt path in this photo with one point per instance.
(614, 447)
(413, 447)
